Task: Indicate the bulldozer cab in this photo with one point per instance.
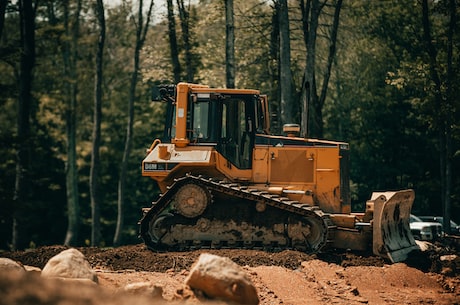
(227, 119)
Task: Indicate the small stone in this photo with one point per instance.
(145, 288)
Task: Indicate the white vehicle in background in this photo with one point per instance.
(427, 231)
(454, 228)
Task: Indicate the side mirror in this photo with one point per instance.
(163, 93)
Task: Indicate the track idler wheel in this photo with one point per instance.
(307, 234)
(191, 200)
(159, 227)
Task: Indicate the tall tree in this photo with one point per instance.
(96, 135)
(70, 54)
(312, 102)
(274, 92)
(310, 15)
(3, 5)
(184, 16)
(449, 115)
(285, 82)
(27, 62)
(229, 44)
(173, 42)
(141, 33)
(443, 98)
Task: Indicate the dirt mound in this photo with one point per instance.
(286, 277)
(139, 258)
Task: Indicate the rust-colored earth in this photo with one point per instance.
(287, 277)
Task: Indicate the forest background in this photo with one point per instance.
(76, 119)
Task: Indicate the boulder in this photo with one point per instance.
(70, 263)
(221, 278)
(9, 265)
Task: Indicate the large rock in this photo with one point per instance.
(221, 278)
(9, 265)
(70, 263)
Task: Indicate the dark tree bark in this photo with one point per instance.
(274, 73)
(449, 118)
(27, 62)
(96, 135)
(310, 10)
(285, 64)
(173, 42)
(230, 44)
(141, 33)
(184, 16)
(3, 5)
(70, 55)
(312, 114)
(443, 98)
(331, 55)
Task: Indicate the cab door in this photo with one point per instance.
(237, 133)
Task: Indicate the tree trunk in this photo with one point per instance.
(305, 8)
(96, 135)
(443, 105)
(285, 64)
(27, 62)
(449, 113)
(3, 5)
(305, 86)
(230, 44)
(141, 33)
(274, 74)
(173, 42)
(330, 58)
(308, 92)
(70, 70)
(184, 16)
(312, 114)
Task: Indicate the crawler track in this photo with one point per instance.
(237, 216)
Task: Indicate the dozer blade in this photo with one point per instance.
(392, 237)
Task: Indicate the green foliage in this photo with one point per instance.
(384, 97)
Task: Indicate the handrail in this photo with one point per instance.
(155, 143)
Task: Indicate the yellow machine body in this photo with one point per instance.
(279, 191)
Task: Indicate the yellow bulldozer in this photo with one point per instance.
(227, 182)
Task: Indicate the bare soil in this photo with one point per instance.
(287, 277)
